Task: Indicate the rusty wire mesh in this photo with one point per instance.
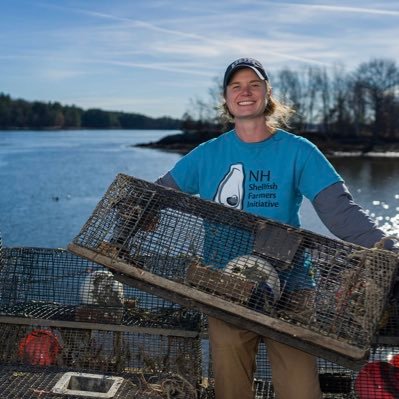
(61, 312)
(22, 383)
(54, 284)
(322, 295)
(377, 378)
(33, 346)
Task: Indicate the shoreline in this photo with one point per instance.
(343, 147)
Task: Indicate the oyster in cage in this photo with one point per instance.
(135, 214)
(299, 306)
(267, 288)
(101, 288)
(359, 298)
(130, 219)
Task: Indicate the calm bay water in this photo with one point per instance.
(52, 181)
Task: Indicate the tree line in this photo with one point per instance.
(331, 103)
(363, 103)
(22, 114)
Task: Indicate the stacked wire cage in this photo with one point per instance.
(69, 327)
(377, 378)
(315, 293)
(336, 382)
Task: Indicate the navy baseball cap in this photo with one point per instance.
(241, 63)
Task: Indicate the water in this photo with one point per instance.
(374, 184)
(52, 181)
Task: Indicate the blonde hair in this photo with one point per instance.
(276, 113)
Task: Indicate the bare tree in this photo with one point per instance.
(311, 84)
(363, 103)
(379, 78)
(325, 94)
(357, 106)
(341, 122)
(307, 92)
(289, 87)
(391, 116)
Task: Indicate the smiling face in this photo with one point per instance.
(245, 95)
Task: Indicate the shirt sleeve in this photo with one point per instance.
(346, 219)
(167, 181)
(185, 173)
(316, 173)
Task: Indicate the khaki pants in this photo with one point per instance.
(294, 372)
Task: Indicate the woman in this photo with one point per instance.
(256, 160)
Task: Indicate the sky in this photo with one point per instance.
(157, 57)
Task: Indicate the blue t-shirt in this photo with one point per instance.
(267, 178)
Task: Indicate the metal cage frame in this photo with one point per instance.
(181, 248)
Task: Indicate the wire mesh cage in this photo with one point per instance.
(54, 284)
(388, 327)
(143, 358)
(315, 293)
(60, 312)
(18, 383)
(378, 378)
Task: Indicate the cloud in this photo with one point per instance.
(188, 50)
(115, 102)
(56, 73)
(169, 67)
(194, 44)
(163, 46)
(343, 9)
(265, 30)
(154, 106)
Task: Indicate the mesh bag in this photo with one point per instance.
(318, 294)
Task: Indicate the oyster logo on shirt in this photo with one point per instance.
(230, 190)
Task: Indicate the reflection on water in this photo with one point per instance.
(51, 181)
(374, 183)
